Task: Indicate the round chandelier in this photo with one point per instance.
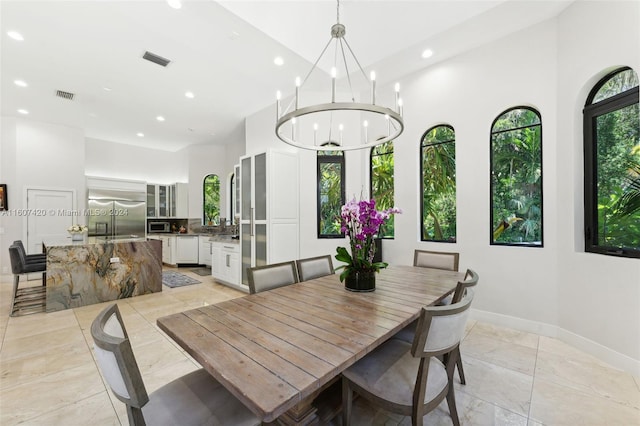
(315, 126)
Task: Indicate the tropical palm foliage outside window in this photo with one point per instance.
(516, 178)
(438, 171)
(211, 200)
(612, 166)
(331, 193)
(381, 183)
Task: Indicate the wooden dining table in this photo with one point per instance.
(276, 351)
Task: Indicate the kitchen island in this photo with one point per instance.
(98, 270)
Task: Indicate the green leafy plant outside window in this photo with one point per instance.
(382, 183)
(331, 193)
(211, 200)
(438, 167)
(612, 166)
(516, 178)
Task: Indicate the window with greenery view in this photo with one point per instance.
(381, 183)
(211, 200)
(516, 178)
(438, 171)
(612, 166)
(331, 194)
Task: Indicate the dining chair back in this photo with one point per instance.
(267, 277)
(193, 399)
(410, 379)
(314, 267)
(436, 259)
(470, 280)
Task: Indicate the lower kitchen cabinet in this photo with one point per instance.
(225, 262)
(204, 253)
(186, 249)
(168, 249)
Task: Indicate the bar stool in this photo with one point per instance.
(28, 299)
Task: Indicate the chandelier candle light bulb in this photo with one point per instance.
(334, 73)
(373, 87)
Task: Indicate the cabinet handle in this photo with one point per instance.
(252, 223)
(228, 260)
(230, 248)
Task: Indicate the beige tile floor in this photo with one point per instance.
(49, 376)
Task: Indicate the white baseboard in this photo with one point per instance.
(608, 355)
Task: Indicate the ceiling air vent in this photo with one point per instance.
(65, 95)
(155, 59)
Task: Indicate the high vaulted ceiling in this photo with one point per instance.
(222, 52)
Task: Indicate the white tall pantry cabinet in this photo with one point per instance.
(269, 209)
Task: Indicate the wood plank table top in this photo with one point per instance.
(276, 348)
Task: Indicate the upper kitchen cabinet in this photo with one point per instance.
(269, 209)
(168, 200)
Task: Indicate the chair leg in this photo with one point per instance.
(135, 416)
(347, 400)
(451, 401)
(16, 280)
(460, 368)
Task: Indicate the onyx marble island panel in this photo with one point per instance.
(87, 273)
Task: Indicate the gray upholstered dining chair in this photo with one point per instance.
(267, 277)
(407, 334)
(314, 267)
(409, 378)
(193, 399)
(436, 259)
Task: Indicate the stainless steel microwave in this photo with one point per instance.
(157, 227)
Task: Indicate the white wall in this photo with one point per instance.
(599, 296)
(127, 162)
(202, 161)
(592, 301)
(35, 154)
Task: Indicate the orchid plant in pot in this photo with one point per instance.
(360, 221)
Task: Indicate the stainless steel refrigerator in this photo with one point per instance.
(115, 214)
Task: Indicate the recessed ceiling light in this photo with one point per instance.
(189, 95)
(23, 111)
(107, 89)
(160, 118)
(427, 53)
(20, 83)
(176, 4)
(15, 35)
(278, 61)
(140, 135)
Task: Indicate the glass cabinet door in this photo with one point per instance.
(163, 200)
(151, 201)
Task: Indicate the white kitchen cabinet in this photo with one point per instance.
(225, 262)
(186, 249)
(269, 209)
(179, 206)
(168, 249)
(204, 252)
(168, 200)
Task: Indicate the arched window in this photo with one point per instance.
(438, 171)
(331, 194)
(211, 200)
(612, 166)
(516, 178)
(381, 183)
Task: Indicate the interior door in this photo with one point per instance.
(52, 214)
